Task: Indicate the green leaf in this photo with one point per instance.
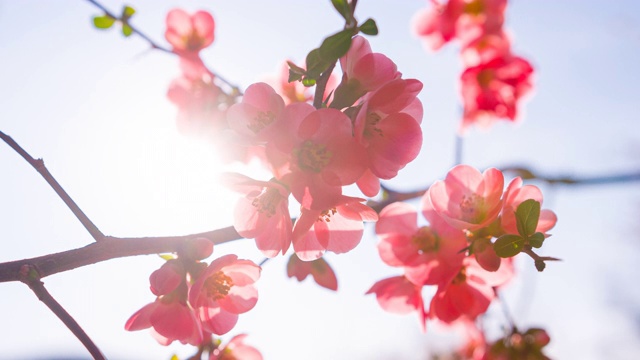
(315, 64)
(336, 45)
(342, 6)
(126, 30)
(294, 76)
(167, 256)
(127, 12)
(295, 72)
(527, 216)
(508, 245)
(369, 27)
(103, 22)
(536, 240)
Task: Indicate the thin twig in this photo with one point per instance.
(154, 45)
(30, 276)
(321, 85)
(38, 164)
(107, 249)
(505, 310)
(458, 150)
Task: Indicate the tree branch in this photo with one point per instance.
(39, 166)
(30, 276)
(107, 249)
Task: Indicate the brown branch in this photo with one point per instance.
(389, 195)
(107, 249)
(321, 85)
(38, 164)
(30, 276)
(154, 45)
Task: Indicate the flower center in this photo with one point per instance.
(312, 157)
(266, 202)
(475, 7)
(485, 77)
(471, 208)
(371, 127)
(261, 121)
(218, 285)
(326, 215)
(461, 277)
(426, 240)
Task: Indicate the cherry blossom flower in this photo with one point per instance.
(322, 273)
(254, 116)
(492, 90)
(189, 33)
(466, 20)
(467, 199)
(401, 296)
(224, 290)
(392, 138)
(363, 71)
(199, 105)
(236, 349)
(428, 254)
(469, 292)
(170, 320)
(338, 229)
(515, 194)
(169, 316)
(263, 213)
(316, 155)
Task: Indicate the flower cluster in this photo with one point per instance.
(455, 252)
(494, 80)
(201, 102)
(369, 130)
(195, 300)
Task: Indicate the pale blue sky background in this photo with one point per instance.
(93, 105)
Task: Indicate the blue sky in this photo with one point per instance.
(93, 105)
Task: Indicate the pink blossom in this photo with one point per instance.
(401, 296)
(224, 290)
(263, 213)
(189, 33)
(256, 114)
(338, 229)
(392, 138)
(322, 273)
(170, 320)
(199, 105)
(429, 254)
(515, 194)
(466, 20)
(236, 349)
(363, 71)
(169, 316)
(316, 155)
(467, 199)
(469, 292)
(492, 90)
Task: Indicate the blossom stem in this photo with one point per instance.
(38, 164)
(154, 45)
(30, 276)
(321, 86)
(458, 150)
(505, 310)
